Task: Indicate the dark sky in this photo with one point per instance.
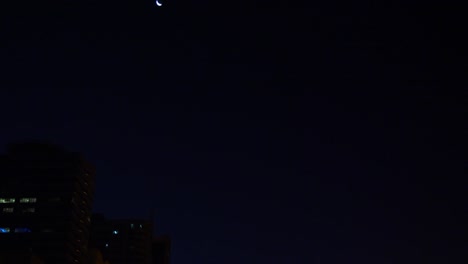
(262, 132)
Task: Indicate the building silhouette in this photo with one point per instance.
(46, 195)
(122, 241)
(161, 250)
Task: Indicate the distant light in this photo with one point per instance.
(115, 232)
(107, 245)
(4, 230)
(141, 226)
(131, 226)
(158, 3)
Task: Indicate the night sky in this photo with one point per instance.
(260, 131)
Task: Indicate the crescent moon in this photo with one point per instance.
(158, 3)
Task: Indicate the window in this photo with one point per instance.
(29, 210)
(7, 200)
(4, 230)
(22, 230)
(8, 210)
(28, 200)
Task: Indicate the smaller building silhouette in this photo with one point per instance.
(161, 250)
(122, 241)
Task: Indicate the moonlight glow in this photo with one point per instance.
(158, 3)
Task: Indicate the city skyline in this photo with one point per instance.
(46, 199)
(258, 131)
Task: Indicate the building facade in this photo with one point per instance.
(46, 195)
(161, 250)
(122, 241)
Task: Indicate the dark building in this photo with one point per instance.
(45, 203)
(122, 241)
(161, 250)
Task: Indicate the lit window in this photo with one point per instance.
(28, 200)
(4, 230)
(7, 200)
(22, 230)
(115, 232)
(8, 210)
(29, 210)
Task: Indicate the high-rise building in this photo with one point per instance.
(45, 203)
(122, 241)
